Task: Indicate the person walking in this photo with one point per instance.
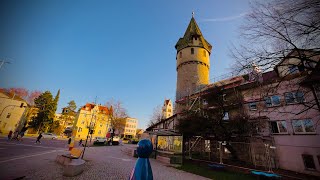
(15, 135)
(80, 142)
(38, 138)
(10, 135)
(21, 135)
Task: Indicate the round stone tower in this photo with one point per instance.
(193, 62)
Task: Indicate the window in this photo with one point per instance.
(8, 115)
(294, 97)
(100, 125)
(4, 125)
(303, 126)
(192, 51)
(308, 161)
(204, 102)
(169, 110)
(253, 106)
(204, 53)
(99, 132)
(80, 129)
(82, 122)
(180, 54)
(272, 101)
(207, 145)
(226, 115)
(278, 127)
(293, 69)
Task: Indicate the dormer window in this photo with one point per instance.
(192, 51)
(204, 53)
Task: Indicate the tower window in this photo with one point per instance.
(8, 115)
(204, 53)
(180, 54)
(192, 51)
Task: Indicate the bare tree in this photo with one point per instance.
(280, 30)
(156, 116)
(32, 96)
(118, 115)
(222, 118)
(273, 30)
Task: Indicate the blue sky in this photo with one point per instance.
(122, 50)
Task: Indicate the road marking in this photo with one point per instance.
(120, 158)
(46, 147)
(23, 157)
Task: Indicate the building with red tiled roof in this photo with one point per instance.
(92, 117)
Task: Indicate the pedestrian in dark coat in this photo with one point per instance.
(10, 135)
(38, 138)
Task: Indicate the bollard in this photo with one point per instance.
(142, 169)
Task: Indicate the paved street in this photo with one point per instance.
(33, 161)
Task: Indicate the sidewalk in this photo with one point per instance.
(107, 162)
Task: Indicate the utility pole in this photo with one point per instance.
(90, 128)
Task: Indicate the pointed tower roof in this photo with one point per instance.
(193, 30)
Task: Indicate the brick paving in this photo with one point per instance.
(107, 162)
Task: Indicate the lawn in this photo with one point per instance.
(212, 174)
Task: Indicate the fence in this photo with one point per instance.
(254, 153)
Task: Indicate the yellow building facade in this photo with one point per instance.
(12, 109)
(92, 116)
(130, 127)
(167, 109)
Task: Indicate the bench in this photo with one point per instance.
(74, 154)
(65, 159)
(75, 167)
(72, 164)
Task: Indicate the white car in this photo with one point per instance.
(115, 140)
(49, 136)
(101, 139)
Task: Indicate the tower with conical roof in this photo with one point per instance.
(193, 62)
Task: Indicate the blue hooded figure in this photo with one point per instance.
(142, 170)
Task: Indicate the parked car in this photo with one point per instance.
(100, 140)
(49, 136)
(126, 140)
(115, 140)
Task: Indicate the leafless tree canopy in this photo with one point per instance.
(156, 115)
(274, 29)
(118, 114)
